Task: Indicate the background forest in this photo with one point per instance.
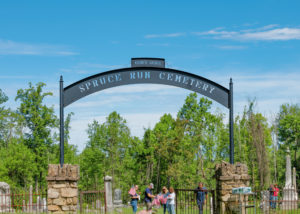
(178, 151)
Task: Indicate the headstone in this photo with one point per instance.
(290, 196)
(44, 205)
(108, 192)
(98, 204)
(38, 204)
(24, 206)
(265, 201)
(5, 201)
(118, 198)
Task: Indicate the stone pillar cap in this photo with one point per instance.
(67, 172)
(107, 178)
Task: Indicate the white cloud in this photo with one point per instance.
(274, 34)
(8, 47)
(267, 27)
(170, 35)
(265, 33)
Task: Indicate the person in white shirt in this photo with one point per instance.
(171, 201)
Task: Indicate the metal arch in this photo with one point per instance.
(152, 75)
(142, 75)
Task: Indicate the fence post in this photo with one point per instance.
(108, 193)
(12, 202)
(30, 198)
(105, 204)
(81, 196)
(176, 192)
(213, 201)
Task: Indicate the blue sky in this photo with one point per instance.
(255, 42)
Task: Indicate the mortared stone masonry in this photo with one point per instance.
(230, 176)
(62, 188)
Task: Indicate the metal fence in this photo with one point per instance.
(264, 202)
(92, 201)
(260, 202)
(186, 202)
(23, 202)
(286, 202)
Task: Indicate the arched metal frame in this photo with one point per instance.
(145, 75)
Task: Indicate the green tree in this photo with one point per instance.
(11, 124)
(288, 123)
(17, 165)
(108, 152)
(253, 145)
(70, 150)
(288, 126)
(207, 134)
(4, 121)
(164, 147)
(40, 122)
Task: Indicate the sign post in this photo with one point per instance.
(61, 117)
(231, 136)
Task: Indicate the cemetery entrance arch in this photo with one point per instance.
(145, 70)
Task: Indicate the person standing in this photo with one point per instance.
(165, 193)
(171, 201)
(134, 198)
(201, 196)
(271, 196)
(275, 195)
(148, 197)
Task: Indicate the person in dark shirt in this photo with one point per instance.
(201, 196)
(148, 197)
(271, 197)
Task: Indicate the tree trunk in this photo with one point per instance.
(158, 175)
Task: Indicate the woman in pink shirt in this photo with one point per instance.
(275, 195)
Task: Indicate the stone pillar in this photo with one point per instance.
(230, 176)
(62, 188)
(5, 200)
(290, 196)
(108, 192)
